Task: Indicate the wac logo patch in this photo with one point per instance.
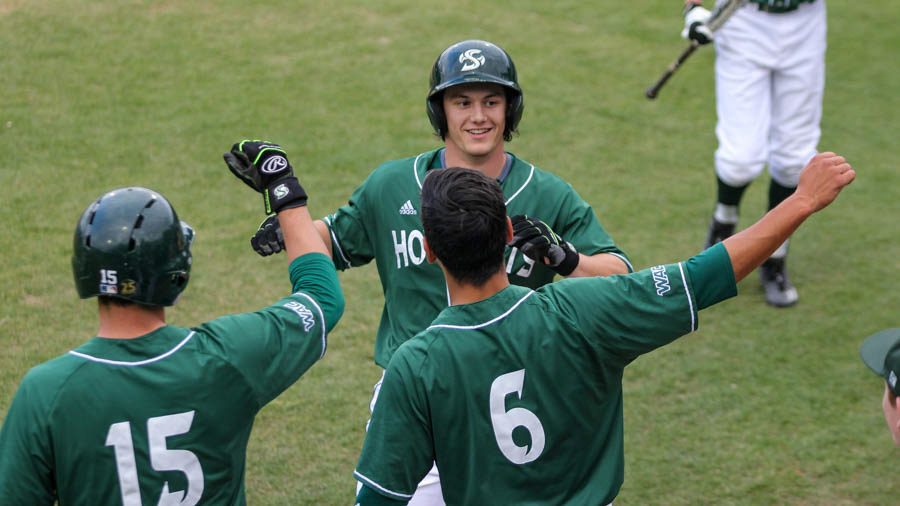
(660, 279)
(305, 314)
(471, 59)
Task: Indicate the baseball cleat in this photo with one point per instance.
(779, 290)
(718, 232)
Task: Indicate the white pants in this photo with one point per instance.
(770, 79)
(428, 492)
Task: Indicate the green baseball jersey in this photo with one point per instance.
(381, 222)
(518, 398)
(163, 418)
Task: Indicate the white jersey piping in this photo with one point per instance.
(485, 324)
(622, 258)
(321, 318)
(687, 292)
(416, 166)
(530, 175)
(514, 195)
(134, 364)
(374, 485)
(334, 239)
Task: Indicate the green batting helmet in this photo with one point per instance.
(474, 61)
(130, 244)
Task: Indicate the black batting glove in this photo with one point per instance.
(268, 240)
(264, 167)
(540, 243)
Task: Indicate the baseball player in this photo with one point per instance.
(881, 353)
(151, 413)
(474, 104)
(770, 79)
(517, 394)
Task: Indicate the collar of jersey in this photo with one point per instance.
(514, 183)
(146, 349)
(484, 312)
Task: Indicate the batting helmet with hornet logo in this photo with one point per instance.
(474, 61)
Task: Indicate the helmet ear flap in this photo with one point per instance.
(514, 108)
(435, 108)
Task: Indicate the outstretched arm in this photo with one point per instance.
(821, 181)
(600, 264)
(300, 233)
(324, 233)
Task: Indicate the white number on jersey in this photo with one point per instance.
(505, 421)
(525, 271)
(161, 459)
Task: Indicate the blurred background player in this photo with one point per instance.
(770, 79)
(881, 352)
(474, 104)
(517, 394)
(151, 413)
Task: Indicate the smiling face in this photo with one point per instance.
(476, 118)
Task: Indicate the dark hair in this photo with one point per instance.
(115, 301)
(464, 218)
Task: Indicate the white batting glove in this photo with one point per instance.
(695, 19)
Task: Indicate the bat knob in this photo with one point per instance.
(650, 93)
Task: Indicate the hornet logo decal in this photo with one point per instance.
(471, 59)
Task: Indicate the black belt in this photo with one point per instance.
(778, 7)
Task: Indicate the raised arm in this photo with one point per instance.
(264, 167)
(820, 182)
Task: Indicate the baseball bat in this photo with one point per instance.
(716, 19)
(653, 91)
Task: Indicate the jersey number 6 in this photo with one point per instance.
(505, 422)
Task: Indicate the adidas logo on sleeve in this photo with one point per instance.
(407, 208)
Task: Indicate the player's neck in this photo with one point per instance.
(466, 293)
(128, 322)
(490, 164)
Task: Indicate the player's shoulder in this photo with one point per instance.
(401, 176)
(45, 379)
(527, 172)
(405, 167)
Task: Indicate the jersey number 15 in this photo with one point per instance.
(161, 459)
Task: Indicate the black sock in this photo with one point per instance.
(778, 193)
(730, 195)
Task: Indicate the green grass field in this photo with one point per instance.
(761, 406)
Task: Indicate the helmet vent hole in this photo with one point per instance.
(139, 221)
(150, 203)
(87, 241)
(131, 244)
